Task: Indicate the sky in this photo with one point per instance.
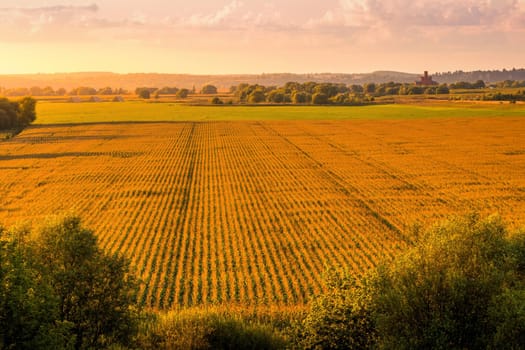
(271, 36)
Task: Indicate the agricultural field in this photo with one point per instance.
(223, 205)
(140, 111)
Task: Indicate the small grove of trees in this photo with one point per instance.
(498, 96)
(480, 84)
(60, 291)
(145, 92)
(17, 114)
(297, 93)
(509, 84)
(182, 93)
(34, 91)
(462, 286)
(329, 93)
(208, 89)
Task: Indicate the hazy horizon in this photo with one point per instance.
(243, 37)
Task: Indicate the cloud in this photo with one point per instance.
(57, 23)
(422, 13)
(214, 19)
(50, 9)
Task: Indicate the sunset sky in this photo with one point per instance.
(247, 36)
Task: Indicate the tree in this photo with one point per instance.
(299, 97)
(27, 111)
(216, 101)
(256, 96)
(320, 99)
(95, 290)
(369, 88)
(84, 90)
(28, 306)
(105, 91)
(278, 96)
(479, 84)
(442, 89)
(145, 94)
(446, 291)
(168, 90)
(17, 114)
(356, 89)
(461, 286)
(182, 93)
(8, 113)
(208, 89)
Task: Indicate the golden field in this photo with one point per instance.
(253, 212)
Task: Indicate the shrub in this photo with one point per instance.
(216, 101)
(462, 286)
(340, 318)
(202, 329)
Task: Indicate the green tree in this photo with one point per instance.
(320, 99)
(445, 291)
(216, 101)
(26, 111)
(209, 89)
(369, 88)
(356, 89)
(442, 89)
(256, 96)
(182, 93)
(479, 84)
(144, 93)
(8, 113)
(95, 290)
(28, 306)
(299, 97)
(278, 96)
(461, 286)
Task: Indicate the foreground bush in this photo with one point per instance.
(17, 114)
(61, 291)
(461, 287)
(204, 329)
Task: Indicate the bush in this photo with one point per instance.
(61, 291)
(462, 286)
(216, 101)
(339, 319)
(202, 329)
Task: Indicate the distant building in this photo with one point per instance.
(426, 80)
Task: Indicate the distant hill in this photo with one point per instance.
(224, 82)
(488, 76)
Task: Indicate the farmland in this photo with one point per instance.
(251, 205)
(96, 112)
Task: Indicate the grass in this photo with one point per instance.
(67, 113)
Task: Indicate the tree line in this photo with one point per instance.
(461, 285)
(291, 92)
(328, 93)
(17, 114)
